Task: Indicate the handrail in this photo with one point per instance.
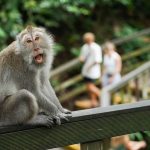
(132, 36)
(118, 41)
(65, 67)
(136, 53)
(84, 126)
(105, 94)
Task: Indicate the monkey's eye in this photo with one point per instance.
(29, 41)
(37, 38)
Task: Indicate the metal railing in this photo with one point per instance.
(89, 127)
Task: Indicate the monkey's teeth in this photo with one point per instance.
(39, 58)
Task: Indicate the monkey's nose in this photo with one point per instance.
(36, 49)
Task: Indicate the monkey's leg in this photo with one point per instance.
(19, 108)
(41, 120)
(49, 92)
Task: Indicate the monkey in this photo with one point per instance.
(25, 89)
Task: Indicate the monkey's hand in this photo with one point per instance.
(61, 118)
(47, 121)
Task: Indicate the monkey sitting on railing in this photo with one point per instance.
(25, 89)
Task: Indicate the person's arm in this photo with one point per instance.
(82, 54)
(97, 54)
(118, 68)
(118, 64)
(93, 65)
(81, 59)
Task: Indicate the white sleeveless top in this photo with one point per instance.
(110, 63)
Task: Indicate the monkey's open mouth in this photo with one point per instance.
(39, 58)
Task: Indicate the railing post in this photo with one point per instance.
(137, 91)
(98, 145)
(105, 98)
(145, 84)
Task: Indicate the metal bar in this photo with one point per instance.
(98, 145)
(84, 126)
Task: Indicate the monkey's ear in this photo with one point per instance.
(18, 37)
(18, 48)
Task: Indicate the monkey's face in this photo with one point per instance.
(34, 45)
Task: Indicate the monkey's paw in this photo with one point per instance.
(42, 120)
(61, 118)
(49, 122)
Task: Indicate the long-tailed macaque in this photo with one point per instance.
(24, 81)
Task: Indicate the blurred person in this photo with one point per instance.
(91, 56)
(134, 145)
(112, 65)
(124, 143)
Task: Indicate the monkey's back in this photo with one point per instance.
(8, 58)
(12, 71)
(10, 64)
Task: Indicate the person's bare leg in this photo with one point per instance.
(133, 145)
(94, 94)
(94, 100)
(94, 89)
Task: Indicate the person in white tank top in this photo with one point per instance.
(112, 65)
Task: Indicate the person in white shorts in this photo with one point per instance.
(112, 65)
(91, 56)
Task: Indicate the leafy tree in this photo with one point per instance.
(69, 19)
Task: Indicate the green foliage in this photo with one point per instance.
(132, 45)
(58, 48)
(75, 51)
(136, 136)
(140, 136)
(69, 19)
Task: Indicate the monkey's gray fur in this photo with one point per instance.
(24, 81)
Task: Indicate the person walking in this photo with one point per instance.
(91, 56)
(112, 65)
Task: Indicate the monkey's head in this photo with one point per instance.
(35, 45)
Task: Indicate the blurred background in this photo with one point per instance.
(67, 21)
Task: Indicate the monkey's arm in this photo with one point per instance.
(50, 108)
(49, 92)
(45, 104)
